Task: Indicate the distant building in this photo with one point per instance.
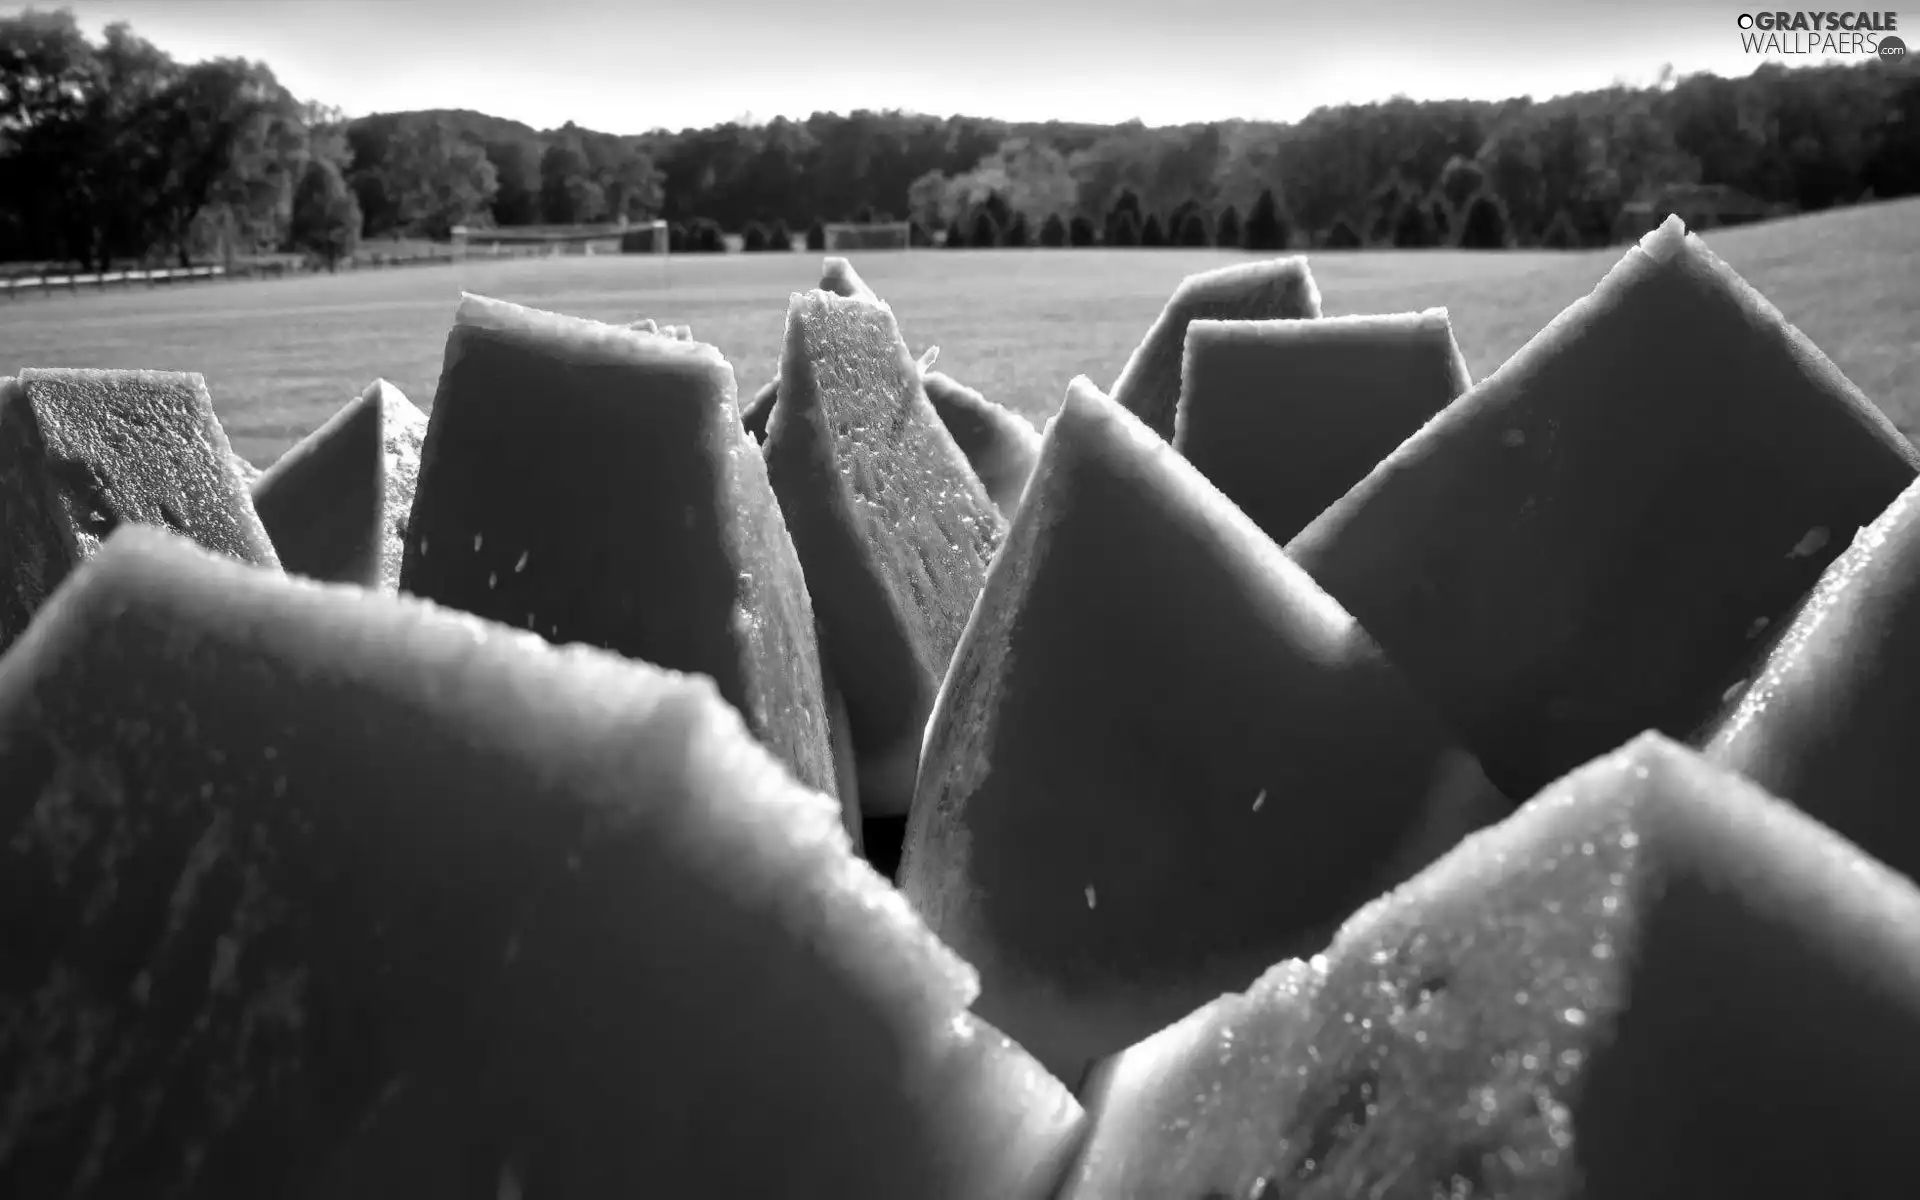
(1700, 205)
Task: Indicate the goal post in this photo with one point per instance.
(644, 237)
(879, 235)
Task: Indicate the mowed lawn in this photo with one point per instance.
(280, 356)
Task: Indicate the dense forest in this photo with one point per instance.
(110, 150)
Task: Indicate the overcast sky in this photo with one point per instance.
(629, 65)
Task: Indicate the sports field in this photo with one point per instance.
(280, 356)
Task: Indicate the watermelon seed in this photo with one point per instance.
(476, 543)
(1759, 624)
(520, 564)
(493, 579)
(1810, 544)
(1260, 799)
(1090, 897)
(423, 545)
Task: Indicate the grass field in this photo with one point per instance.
(280, 356)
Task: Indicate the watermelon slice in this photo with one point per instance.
(83, 452)
(324, 502)
(405, 434)
(1828, 720)
(593, 485)
(1103, 842)
(1274, 289)
(247, 471)
(1286, 416)
(309, 890)
(1581, 546)
(1654, 981)
(1000, 445)
(1187, 1104)
(753, 418)
(893, 528)
(837, 276)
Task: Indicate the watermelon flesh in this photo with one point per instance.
(592, 484)
(324, 502)
(247, 471)
(1286, 416)
(376, 893)
(1579, 548)
(893, 528)
(1654, 980)
(1827, 721)
(836, 276)
(83, 452)
(1103, 844)
(1274, 289)
(1000, 445)
(1178, 1114)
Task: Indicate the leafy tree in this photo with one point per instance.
(986, 230)
(1080, 232)
(1460, 180)
(1413, 227)
(326, 217)
(1386, 208)
(1053, 231)
(1440, 214)
(1151, 232)
(753, 239)
(438, 179)
(779, 237)
(1483, 225)
(1341, 235)
(518, 180)
(1560, 233)
(1227, 231)
(1265, 228)
(1015, 234)
(1193, 229)
(816, 236)
(956, 236)
(707, 237)
(1123, 228)
(569, 194)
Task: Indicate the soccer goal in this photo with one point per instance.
(889, 235)
(644, 237)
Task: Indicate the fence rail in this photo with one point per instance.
(14, 285)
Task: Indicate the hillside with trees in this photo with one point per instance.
(112, 151)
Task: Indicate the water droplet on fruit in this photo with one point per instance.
(520, 564)
(1815, 539)
(1574, 1016)
(1603, 950)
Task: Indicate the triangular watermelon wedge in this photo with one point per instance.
(310, 890)
(1286, 416)
(1579, 548)
(1001, 445)
(837, 276)
(1162, 759)
(894, 529)
(324, 502)
(83, 452)
(1651, 983)
(1274, 289)
(1828, 720)
(593, 484)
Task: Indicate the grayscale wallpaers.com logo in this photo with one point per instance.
(1822, 34)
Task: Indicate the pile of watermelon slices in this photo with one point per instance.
(1301, 771)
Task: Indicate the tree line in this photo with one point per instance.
(111, 150)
